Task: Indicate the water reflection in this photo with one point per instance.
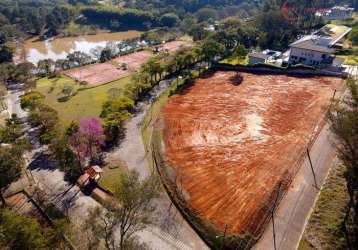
(59, 48)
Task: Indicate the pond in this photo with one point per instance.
(59, 48)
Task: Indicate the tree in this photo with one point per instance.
(66, 159)
(169, 19)
(5, 54)
(11, 164)
(353, 36)
(45, 66)
(46, 118)
(86, 142)
(20, 232)
(343, 117)
(106, 55)
(206, 14)
(240, 52)
(211, 49)
(133, 213)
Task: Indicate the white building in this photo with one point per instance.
(337, 13)
(311, 50)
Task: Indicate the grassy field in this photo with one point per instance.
(324, 227)
(236, 60)
(111, 174)
(349, 59)
(86, 103)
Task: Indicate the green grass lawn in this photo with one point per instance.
(236, 60)
(86, 103)
(324, 227)
(111, 174)
(349, 59)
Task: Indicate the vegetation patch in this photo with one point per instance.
(86, 103)
(324, 229)
(110, 177)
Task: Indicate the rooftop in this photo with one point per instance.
(259, 55)
(335, 32)
(314, 43)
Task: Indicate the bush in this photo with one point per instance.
(32, 99)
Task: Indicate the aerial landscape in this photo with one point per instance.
(179, 125)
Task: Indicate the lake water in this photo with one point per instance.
(59, 48)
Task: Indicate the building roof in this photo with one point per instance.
(259, 55)
(335, 32)
(314, 43)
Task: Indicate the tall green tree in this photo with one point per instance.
(11, 164)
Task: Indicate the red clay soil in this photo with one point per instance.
(230, 145)
(134, 60)
(175, 45)
(97, 74)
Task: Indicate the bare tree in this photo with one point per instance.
(130, 212)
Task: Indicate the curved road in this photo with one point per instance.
(171, 230)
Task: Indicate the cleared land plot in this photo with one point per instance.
(134, 60)
(97, 74)
(231, 145)
(175, 45)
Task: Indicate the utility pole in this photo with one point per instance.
(311, 165)
(273, 215)
(223, 238)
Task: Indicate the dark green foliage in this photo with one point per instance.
(169, 20)
(5, 54)
(20, 232)
(126, 18)
(353, 36)
(31, 100)
(11, 163)
(114, 113)
(46, 118)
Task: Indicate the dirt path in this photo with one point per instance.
(172, 231)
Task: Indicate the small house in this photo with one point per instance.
(258, 57)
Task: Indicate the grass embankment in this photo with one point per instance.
(85, 103)
(324, 227)
(236, 61)
(111, 174)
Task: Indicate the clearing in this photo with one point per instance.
(86, 103)
(232, 139)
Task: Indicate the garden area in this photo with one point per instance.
(81, 103)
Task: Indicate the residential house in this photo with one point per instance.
(258, 57)
(311, 50)
(337, 13)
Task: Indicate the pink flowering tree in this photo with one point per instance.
(87, 141)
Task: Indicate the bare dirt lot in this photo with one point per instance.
(231, 144)
(97, 74)
(174, 45)
(134, 60)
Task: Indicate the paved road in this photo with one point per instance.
(13, 103)
(171, 231)
(295, 208)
